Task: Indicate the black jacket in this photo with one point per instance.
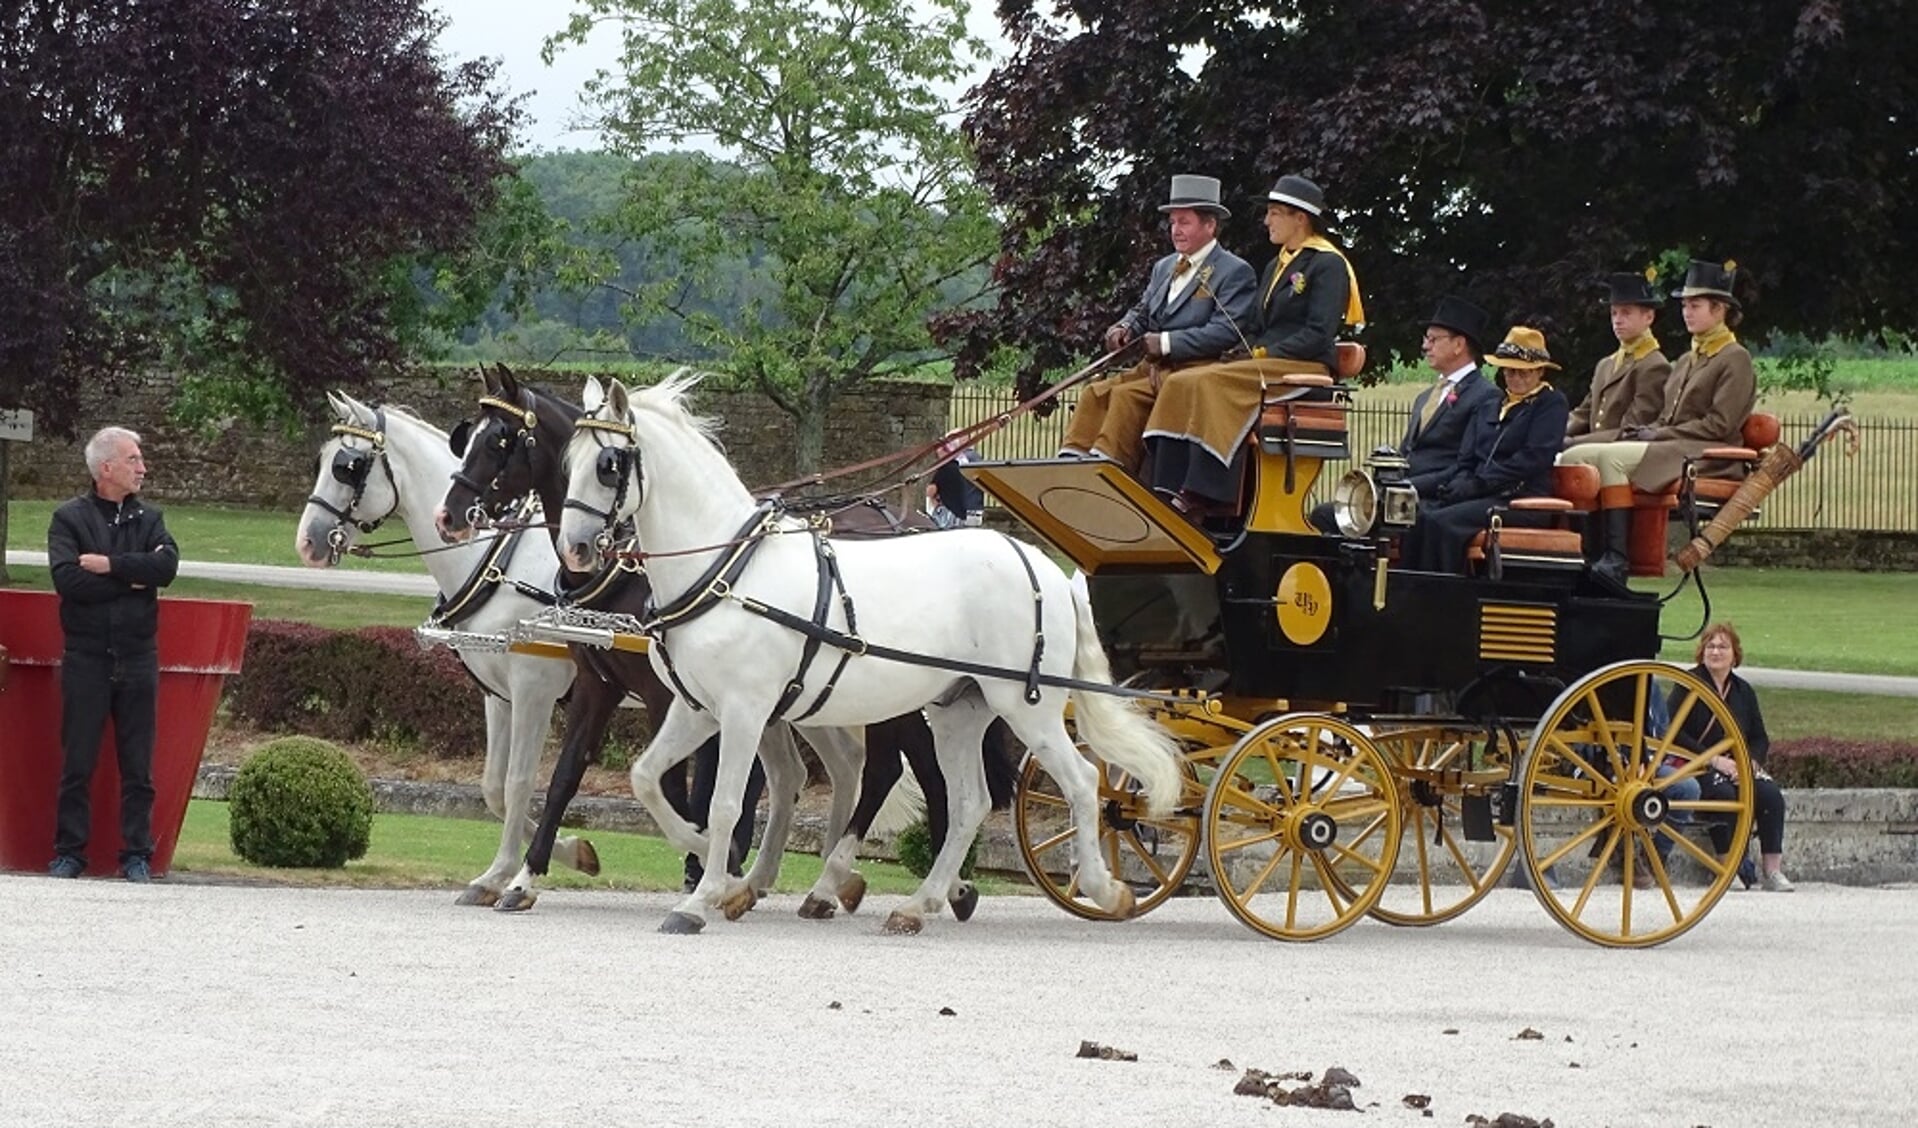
(1700, 730)
(1510, 457)
(1431, 453)
(118, 613)
(1300, 313)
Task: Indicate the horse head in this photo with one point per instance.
(605, 480)
(504, 457)
(353, 485)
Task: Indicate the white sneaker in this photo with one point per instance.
(1776, 882)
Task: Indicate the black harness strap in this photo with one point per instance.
(486, 578)
(829, 578)
(1038, 624)
(672, 674)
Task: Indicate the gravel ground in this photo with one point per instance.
(203, 1005)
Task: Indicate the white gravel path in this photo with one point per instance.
(205, 1005)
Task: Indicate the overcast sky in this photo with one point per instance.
(513, 31)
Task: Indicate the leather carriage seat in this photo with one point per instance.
(1760, 433)
(1350, 359)
(1574, 489)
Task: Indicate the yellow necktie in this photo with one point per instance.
(1179, 268)
(1432, 401)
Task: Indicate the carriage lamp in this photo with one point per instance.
(1377, 497)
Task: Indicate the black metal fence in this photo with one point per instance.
(1876, 490)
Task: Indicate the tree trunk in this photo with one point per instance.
(809, 441)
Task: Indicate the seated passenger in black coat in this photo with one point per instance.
(1507, 452)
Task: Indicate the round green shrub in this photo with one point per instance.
(299, 801)
(916, 850)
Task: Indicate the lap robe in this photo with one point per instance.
(1216, 405)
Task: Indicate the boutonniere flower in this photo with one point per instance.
(1451, 397)
(1205, 273)
(1298, 282)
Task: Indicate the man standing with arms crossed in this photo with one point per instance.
(110, 554)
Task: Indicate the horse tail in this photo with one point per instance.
(1113, 727)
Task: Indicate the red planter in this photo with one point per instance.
(201, 642)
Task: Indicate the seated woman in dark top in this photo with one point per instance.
(1507, 452)
(1719, 650)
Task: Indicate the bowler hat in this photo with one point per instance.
(1200, 193)
(1710, 280)
(1523, 347)
(1633, 289)
(1463, 318)
(1298, 192)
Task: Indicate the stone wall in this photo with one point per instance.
(247, 466)
(1839, 549)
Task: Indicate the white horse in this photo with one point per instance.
(965, 596)
(383, 462)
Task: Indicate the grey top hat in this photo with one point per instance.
(1300, 193)
(1200, 193)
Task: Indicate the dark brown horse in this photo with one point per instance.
(513, 449)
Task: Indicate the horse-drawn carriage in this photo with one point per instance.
(1380, 741)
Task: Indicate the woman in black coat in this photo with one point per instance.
(1508, 451)
(1719, 651)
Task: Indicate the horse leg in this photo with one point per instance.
(1043, 729)
(535, 692)
(841, 754)
(956, 730)
(681, 731)
(784, 774)
(739, 732)
(588, 713)
(484, 890)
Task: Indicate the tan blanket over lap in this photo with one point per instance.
(1215, 405)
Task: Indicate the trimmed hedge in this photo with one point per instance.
(1819, 761)
(376, 684)
(300, 802)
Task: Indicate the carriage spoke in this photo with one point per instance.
(1372, 866)
(1714, 865)
(1593, 777)
(1292, 892)
(1145, 857)
(1660, 876)
(1048, 844)
(1046, 799)
(1602, 726)
(1571, 844)
(1597, 872)
(1328, 884)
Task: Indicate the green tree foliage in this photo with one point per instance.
(837, 177)
(250, 192)
(1512, 150)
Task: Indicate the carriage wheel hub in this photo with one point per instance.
(1317, 830)
(1648, 806)
(1116, 818)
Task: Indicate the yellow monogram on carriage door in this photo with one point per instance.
(1304, 603)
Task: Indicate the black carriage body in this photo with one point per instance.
(1435, 634)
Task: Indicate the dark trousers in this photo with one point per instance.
(1181, 465)
(1769, 813)
(94, 687)
(705, 777)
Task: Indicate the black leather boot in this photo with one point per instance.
(1613, 566)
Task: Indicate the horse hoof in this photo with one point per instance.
(1125, 904)
(478, 895)
(516, 901)
(966, 901)
(587, 859)
(681, 924)
(853, 893)
(739, 904)
(902, 924)
(815, 908)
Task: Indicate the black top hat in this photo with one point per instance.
(1633, 289)
(1710, 280)
(1200, 193)
(1463, 318)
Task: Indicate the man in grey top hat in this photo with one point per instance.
(1198, 302)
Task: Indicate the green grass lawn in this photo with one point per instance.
(1854, 622)
(341, 610)
(419, 851)
(211, 533)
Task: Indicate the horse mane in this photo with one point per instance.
(415, 416)
(668, 399)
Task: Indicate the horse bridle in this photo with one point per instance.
(508, 444)
(352, 467)
(614, 466)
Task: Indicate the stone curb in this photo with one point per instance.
(1865, 836)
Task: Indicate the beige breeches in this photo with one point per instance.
(1615, 461)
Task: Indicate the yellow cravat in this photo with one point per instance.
(1179, 268)
(1433, 399)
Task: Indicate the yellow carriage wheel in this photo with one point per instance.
(1151, 855)
(1607, 796)
(1302, 827)
(1448, 873)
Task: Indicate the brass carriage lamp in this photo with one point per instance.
(1377, 497)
